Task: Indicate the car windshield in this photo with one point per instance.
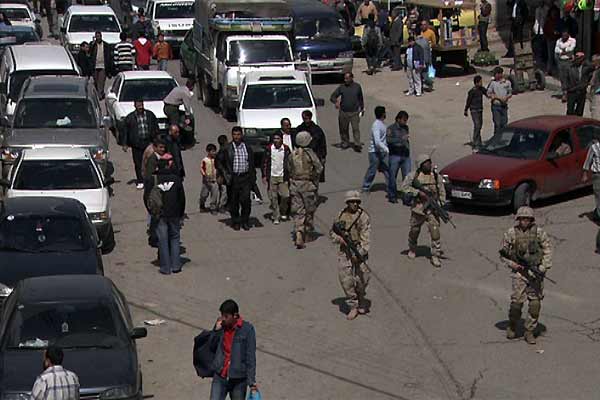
(259, 97)
(41, 234)
(15, 14)
(56, 175)
(91, 324)
(325, 26)
(146, 89)
(94, 23)
(516, 143)
(54, 113)
(18, 78)
(258, 51)
(174, 10)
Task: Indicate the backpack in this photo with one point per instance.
(372, 43)
(155, 200)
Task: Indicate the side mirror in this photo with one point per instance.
(319, 102)
(107, 121)
(4, 182)
(63, 29)
(138, 333)
(109, 181)
(111, 96)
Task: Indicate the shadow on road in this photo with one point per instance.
(343, 307)
(503, 325)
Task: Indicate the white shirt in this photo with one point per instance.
(277, 157)
(514, 11)
(378, 138)
(287, 140)
(568, 47)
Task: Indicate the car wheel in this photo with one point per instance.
(522, 196)
(108, 245)
(183, 70)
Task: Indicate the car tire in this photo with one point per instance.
(522, 196)
(206, 93)
(183, 69)
(108, 245)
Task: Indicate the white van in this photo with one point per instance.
(171, 18)
(21, 62)
(80, 24)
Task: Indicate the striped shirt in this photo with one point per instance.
(124, 54)
(56, 383)
(592, 161)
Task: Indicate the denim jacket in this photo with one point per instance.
(243, 355)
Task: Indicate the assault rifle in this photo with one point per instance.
(433, 204)
(350, 248)
(527, 267)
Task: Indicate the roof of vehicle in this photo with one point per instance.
(17, 28)
(146, 75)
(64, 288)
(41, 56)
(550, 122)
(14, 5)
(56, 86)
(311, 8)
(264, 77)
(42, 205)
(56, 153)
(444, 4)
(88, 10)
(243, 36)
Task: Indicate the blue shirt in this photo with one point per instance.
(378, 143)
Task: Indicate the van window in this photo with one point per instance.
(321, 27)
(294, 95)
(18, 78)
(258, 51)
(93, 23)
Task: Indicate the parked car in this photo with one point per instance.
(521, 163)
(66, 172)
(150, 86)
(22, 15)
(41, 236)
(57, 111)
(80, 23)
(320, 38)
(269, 96)
(13, 35)
(88, 317)
(21, 62)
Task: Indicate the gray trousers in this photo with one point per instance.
(596, 187)
(344, 120)
(563, 71)
(414, 81)
(595, 106)
(500, 117)
(477, 117)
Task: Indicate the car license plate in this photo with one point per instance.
(162, 126)
(459, 194)
(326, 64)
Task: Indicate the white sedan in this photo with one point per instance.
(21, 15)
(150, 86)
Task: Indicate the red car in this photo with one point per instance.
(530, 159)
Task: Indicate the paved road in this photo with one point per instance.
(432, 334)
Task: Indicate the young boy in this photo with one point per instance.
(275, 175)
(499, 91)
(162, 52)
(474, 104)
(209, 180)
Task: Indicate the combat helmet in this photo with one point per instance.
(421, 158)
(352, 195)
(525, 212)
(303, 139)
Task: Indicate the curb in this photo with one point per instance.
(483, 71)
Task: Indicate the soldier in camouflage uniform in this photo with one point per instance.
(353, 275)
(304, 169)
(429, 179)
(526, 243)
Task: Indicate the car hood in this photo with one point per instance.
(78, 37)
(271, 118)
(17, 266)
(475, 167)
(53, 137)
(325, 44)
(94, 200)
(175, 24)
(95, 368)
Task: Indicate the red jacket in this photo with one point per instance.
(143, 52)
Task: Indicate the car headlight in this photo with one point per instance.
(489, 184)
(119, 392)
(250, 131)
(346, 54)
(445, 179)
(99, 216)
(15, 396)
(10, 155)
(98, 153)
(74, 46)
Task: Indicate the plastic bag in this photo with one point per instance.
(431, 72)
(254, 395)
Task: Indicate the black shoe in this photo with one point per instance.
(345, 145)
(236, 227)
(176, 271)
(393, 201)
(358, 148)
(203, 209)
(246, 227)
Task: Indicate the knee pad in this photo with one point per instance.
(435, 233)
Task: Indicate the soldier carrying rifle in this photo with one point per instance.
(420, 189)
(527, 250)
(351, 231)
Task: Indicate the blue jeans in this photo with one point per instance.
(500, 117)
(168, 233)
(221, 387)
(397, 163)
(162, 65)
(377, 162)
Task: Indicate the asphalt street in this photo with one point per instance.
(431, 334)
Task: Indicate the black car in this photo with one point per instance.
(86, 316)
(42, 236)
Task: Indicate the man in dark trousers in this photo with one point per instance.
(396, 38)
(319, 142)
(237, 166)
(142, 25)
(137, 131)
(101, 54)
(518, 15)
(235, 358)
(348, 99)
(577, 79)
(174, 147)
(485, 10)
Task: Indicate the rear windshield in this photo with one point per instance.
(54, 113)
(324, 26)
(277, 96)
(94, 23)
(258, 51)
(146, 89)
(56, 175)
(174, 10)
(13, 14)
(17, 79)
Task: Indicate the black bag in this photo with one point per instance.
(205, 347)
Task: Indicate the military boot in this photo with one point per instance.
(529, 337)
(435, 261)
(514, 316)
(352, 314)
(300, 240)
(412, 255)
(534, 309)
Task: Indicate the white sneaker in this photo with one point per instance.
(408, 94)
(419, 94)
(276, 221)
(139, 186)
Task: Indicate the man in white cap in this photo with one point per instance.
(526, 243)
(353, 274)
(304, 170)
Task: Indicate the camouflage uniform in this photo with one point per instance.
(519, 243)
(354, 285)
(305, 170)
(433, 182)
